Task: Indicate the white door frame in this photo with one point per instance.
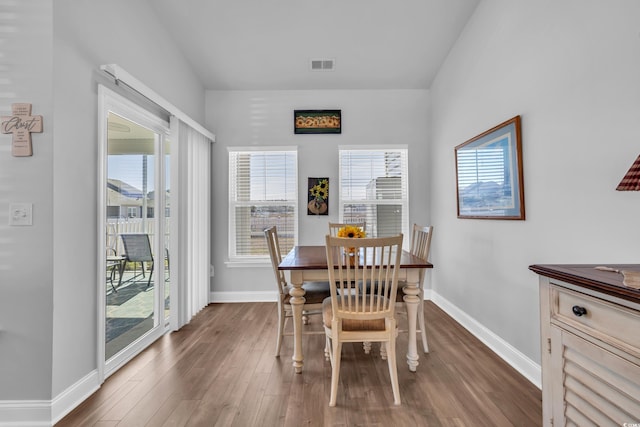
(110, 101)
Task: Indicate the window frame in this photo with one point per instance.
(234, 259)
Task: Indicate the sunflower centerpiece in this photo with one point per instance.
(352, 232)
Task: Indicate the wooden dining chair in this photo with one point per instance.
(335, 226)
(363, 313)
(420, 247)
(316, 292)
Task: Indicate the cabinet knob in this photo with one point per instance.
(579, 311)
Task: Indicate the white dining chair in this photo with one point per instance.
(362, 313)
(315, 292)
(420, 247)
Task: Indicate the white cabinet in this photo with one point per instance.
(590, 348)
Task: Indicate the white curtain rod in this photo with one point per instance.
(121, 75)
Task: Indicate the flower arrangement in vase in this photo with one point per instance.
(352, 232)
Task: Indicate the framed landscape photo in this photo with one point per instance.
(317, 121)
(489, 174)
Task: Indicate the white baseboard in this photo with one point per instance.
(67, 401)
(521, 363)
(45, 413)
(265, 296)
(25, 413)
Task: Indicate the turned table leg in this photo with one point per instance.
(412, 301)
(297, 302)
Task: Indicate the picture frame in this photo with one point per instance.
(489, 177)
(318, 201)
(317, 121)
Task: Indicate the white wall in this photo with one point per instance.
(259, 118)
(570, 68)
(26, 265)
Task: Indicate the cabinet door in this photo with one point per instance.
(590, 385)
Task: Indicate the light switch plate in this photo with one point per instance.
(21, 214)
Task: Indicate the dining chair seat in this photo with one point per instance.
(350, 324)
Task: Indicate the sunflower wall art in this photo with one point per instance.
(318, 196)
(317, 121)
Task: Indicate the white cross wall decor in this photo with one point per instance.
(21, 123)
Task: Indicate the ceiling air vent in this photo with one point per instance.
(322, 64)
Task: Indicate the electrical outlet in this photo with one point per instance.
(21, 214)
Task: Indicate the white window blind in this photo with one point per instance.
(374, 189)
(263, 191)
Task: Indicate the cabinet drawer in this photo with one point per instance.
(609, 323)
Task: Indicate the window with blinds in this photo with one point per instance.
(374, 189)
(263, 191)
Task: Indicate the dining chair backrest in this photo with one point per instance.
(335, 226)
(375, 265)
(421, 241)
(271, 234)
(421, 244)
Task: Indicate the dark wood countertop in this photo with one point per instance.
(585, 275)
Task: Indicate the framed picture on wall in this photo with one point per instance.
(318, 203)
(317, 121)
(489, 174)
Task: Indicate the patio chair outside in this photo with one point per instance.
(137, 248)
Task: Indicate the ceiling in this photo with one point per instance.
(269, 44)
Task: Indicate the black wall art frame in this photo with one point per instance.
(489, 174)
(317, 121)
(318, 202)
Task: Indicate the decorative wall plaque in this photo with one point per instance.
(21, 123)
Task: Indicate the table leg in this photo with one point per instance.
(412, 301)
(297, 302)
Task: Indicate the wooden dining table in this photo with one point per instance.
(309, 264)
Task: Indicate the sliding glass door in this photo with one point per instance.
(135, 212)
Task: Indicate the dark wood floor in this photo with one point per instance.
(220, 371)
